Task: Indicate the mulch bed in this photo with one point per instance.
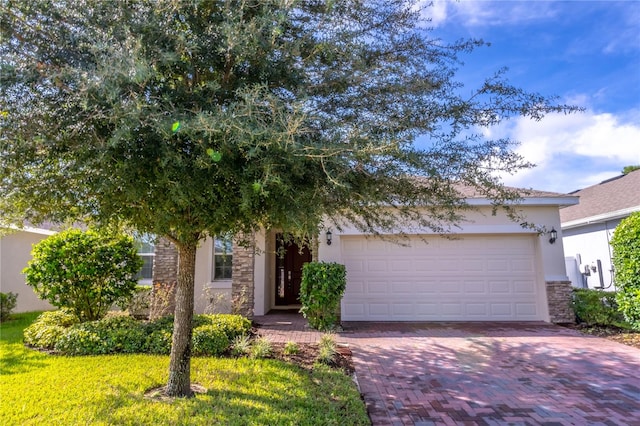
(617, 334)
(307, 356)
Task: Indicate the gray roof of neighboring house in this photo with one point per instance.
(615, 195)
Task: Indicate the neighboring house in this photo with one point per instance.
(493, 270)
(587, 228)
(15, 252)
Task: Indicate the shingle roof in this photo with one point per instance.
(472, 192)
(612, 195)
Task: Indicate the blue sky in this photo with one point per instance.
(585, 52)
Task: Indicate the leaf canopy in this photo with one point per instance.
(194, 118)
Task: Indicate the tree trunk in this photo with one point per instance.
(180, 365)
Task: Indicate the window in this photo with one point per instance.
(222, 258)
(146, 251)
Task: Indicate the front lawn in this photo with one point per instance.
(37, 388)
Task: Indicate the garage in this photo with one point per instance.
(470, 278)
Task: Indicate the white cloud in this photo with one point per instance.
(489, 13)
(573, 151)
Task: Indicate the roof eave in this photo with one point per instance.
(604, 217)
(529, 201)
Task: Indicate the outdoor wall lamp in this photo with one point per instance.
(553, 235)
(329, 237)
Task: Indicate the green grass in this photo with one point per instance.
(37, 388)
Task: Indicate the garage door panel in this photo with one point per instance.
(525, 309)
(522, 265)
(473, 265)
(524, 287)
(378, 287)
(402, 288)
(475, 287)
(496, 287)
(449, 287)
(379, 309)
(473, 278)
(400, 266)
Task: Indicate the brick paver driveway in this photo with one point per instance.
(491, 373)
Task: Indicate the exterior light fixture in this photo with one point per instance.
(329, 237)
(553, 235)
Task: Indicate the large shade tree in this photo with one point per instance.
(187, 119)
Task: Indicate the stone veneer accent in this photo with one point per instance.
(242, 291)
(559, 297)
(165, 279)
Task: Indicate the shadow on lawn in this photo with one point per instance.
(290, 396)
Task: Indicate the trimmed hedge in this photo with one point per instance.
(626, 261)
(121, 333)
(85, 272)
(322, 287)
(596, 307)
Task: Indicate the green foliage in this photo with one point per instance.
(47, 328)
(628, 169)
(322, 287)
(241, 345)
(291, 348)
(8, 303)
(626, 261)
(596, 307)
(189, 119)
(231, 324)
(326, 349)
(121, 333)
(38, 388)
(210, 340)
(86, 272)
(140, 303)
(261, 348)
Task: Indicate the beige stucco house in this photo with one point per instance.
(15, 252)
(491, 270)
(587, 229)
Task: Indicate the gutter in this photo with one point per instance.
(604, 217)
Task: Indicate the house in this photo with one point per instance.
(587, 228)
(15, 252)
(491, 270)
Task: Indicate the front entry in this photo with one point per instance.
(289, 261)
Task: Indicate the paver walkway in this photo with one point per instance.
(493, 373)
(284, 326)
(483, 373)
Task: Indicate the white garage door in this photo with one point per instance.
(474, 278)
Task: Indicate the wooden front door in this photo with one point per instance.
(289, 261)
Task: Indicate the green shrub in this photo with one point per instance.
(86, 272)
(626, 261)
(241, 345)
(322, 287)
(140, 303)
(210, 340)
(261, 348)
(8, 303)
(232, 325)
(596, 307)
(291, 348)
(83, 339)
(119, 332)
(158, 342)
(326, 349)
(112, 334)
(47, 329)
